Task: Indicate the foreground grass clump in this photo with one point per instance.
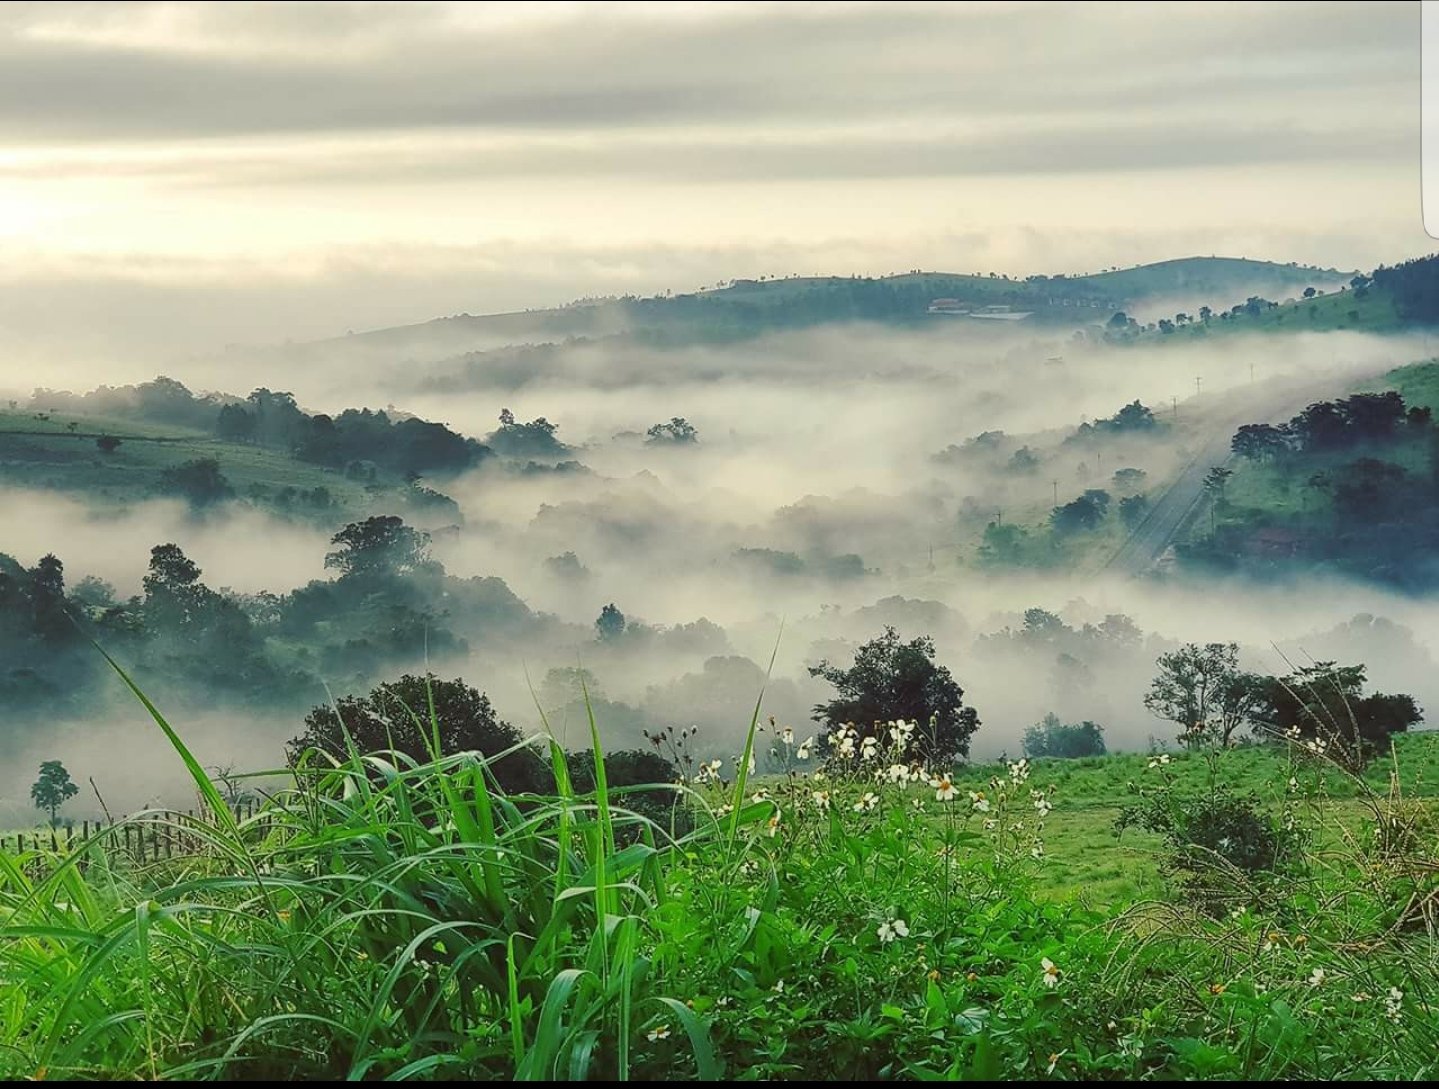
(389, 918)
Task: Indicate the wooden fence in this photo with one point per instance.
(151, 837)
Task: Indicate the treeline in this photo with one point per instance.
(359, 440)
(389, 604)
(1414, 287)
(1350, 484)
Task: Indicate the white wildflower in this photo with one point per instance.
(1049, 972)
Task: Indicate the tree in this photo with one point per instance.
(677, 431)
(1129, 480)
(396, 717)
(1084, 513)
(1052, 737)
(1216, 479)
(53, 789)
(108, 444)
(611, 623)
(1259, 442)
(50, 612)
(893, 680)
(380, 545)
(199, 481)
(1205, 313)
(1023, 460)
(235, 424)
(1324, 704)
(1204, 692)
(1133, 510)
(1309, 293)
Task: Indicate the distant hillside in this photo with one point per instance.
(113, 460)
(744, 308)
(1404, 296)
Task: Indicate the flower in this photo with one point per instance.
(1054, 1061)
(788, 737)
(1037, 852)
(897, 773)
(978, 802)
(1050, 972)
(751, 762)
(661, 1033)
(1019, 772)
(918, 804)
(821, 800)
(1394, 1004)
(869, 801)
(1317, 977)
(1162, 760)
(806, 749)
(1217, 988)
(1042, 805)
(779, 987)
(933, 975)
(760, 795)
(1361, 996)
(774, 824)
(892, 929)
(943, 789)
(869, 749)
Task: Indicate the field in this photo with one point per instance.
(845, 917)
(44, 451)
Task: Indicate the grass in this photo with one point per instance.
(1418, 384)
(383, 918)
(44, 454)
(1331, 312)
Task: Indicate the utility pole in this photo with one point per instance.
(1251, 372)
(1056, 493)
(1175, 401)
(1197, 381)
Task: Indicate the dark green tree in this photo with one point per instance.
(894, 680)
(396, 717)
(380, 545)
(53, 789)
(611, 623)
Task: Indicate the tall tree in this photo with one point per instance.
(53, 789)
(1205, 693)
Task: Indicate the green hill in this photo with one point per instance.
(747, 307)
(60, 452)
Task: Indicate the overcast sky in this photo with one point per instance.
(175, 176)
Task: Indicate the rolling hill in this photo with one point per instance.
(747, 307)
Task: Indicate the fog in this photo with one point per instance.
(834, 489)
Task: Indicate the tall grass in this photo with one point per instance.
(381, 917)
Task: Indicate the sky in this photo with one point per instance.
(176, 177)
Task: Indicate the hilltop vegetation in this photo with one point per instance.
(745, 308)
(1350, 485)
